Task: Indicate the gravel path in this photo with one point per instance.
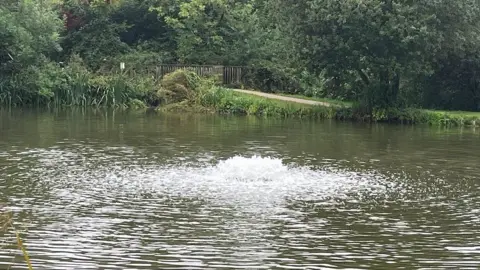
(278, 97)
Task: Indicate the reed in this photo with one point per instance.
(6, 223)
(75, 85)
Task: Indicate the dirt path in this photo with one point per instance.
(278, 97)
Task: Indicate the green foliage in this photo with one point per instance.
(271, 79)
(385, 55)
(112, 90)
(210, 31)
(144, 28)
(135, 61)
(226, 101)
(184, 85)
(383, 42)
(75, 85)
(367, 37)
(179, 85)
(96, 39)
(455, 85)
(28, 34)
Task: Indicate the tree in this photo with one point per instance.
(455, 82)
(29, 32)
(144, 28)
(382, 41)
(209, 31)
(94, 36)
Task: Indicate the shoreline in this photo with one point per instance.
(247, 102)
(222, 101)
(244, 102)
(204, 96)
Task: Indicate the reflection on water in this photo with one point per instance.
(128, 191)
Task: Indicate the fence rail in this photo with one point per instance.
(229, 75)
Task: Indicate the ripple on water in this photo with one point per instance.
(117, 209)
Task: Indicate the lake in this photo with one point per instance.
(109, 190)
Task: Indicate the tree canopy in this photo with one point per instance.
(380, 53)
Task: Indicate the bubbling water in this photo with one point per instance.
(110, 207)
(254, 183)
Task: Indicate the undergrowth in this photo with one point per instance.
(75, 85)
(184, 91)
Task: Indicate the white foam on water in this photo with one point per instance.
(90, 201)
(250, 183)
(246, 183)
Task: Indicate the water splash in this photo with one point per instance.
(111, 206)
(255, 183)
(255, 168)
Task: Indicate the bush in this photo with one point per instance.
(178, 86)
(85, 88)
(271, 80)
(140, 63)
(185, 85)
(33, 85)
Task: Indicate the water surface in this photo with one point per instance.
(105, 190)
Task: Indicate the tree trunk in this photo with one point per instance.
(394, 89)
(383, 91)
(389, 88)
(363, 76)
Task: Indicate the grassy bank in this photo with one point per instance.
(226, 101)
(183, 90)
(204, 95)
(431, 117)
(441, 117)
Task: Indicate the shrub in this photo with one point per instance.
(179, 85)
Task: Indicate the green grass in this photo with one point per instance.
(464, 114)
(456, 113)
(226, 101)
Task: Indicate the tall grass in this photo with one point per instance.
(83, 88)
(99, 91)
(75, 85)
(420, 116)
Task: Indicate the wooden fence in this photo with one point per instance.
(231, 75)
